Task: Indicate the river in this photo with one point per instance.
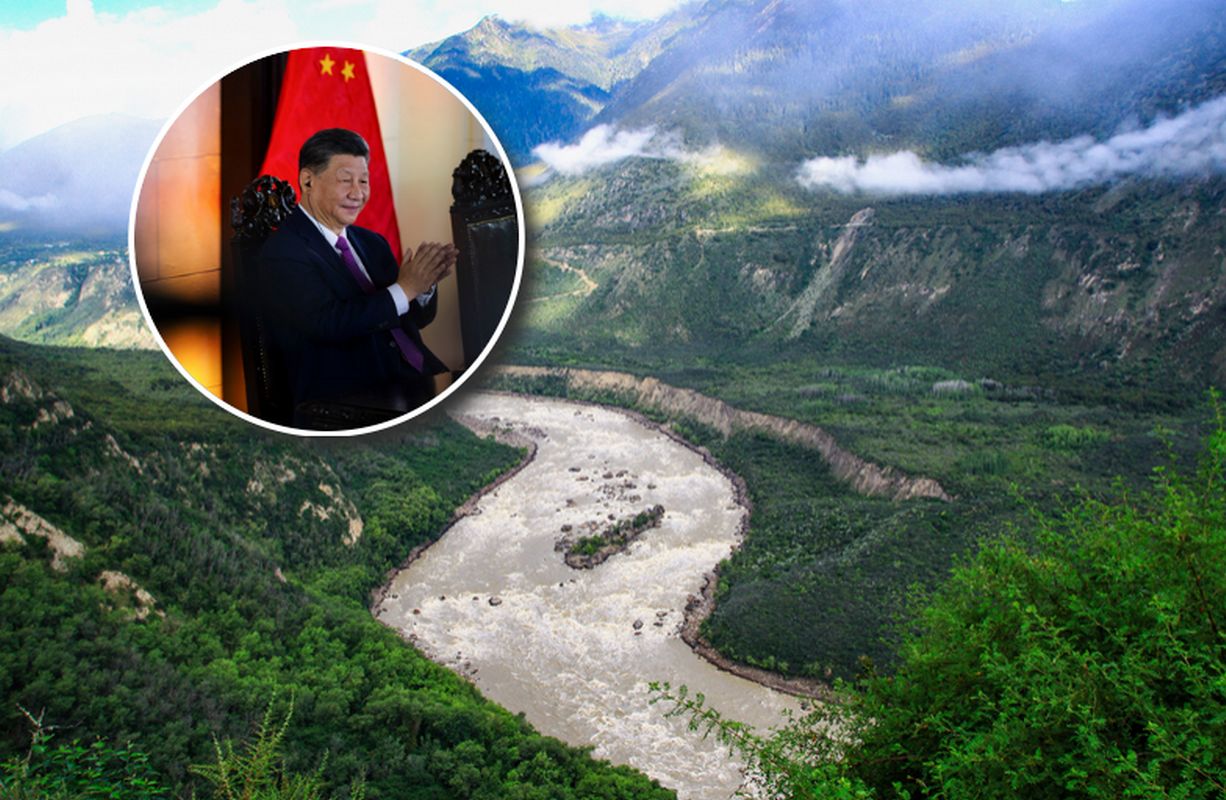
(560, 644)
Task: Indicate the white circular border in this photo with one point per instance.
(425, 407)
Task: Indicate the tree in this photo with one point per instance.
(74, 770)
(256, 771)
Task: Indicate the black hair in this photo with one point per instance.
(318, 150)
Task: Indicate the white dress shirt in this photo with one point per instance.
(398, 296)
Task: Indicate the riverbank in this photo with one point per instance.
(698, 607)
(863, 476)
(468, 507)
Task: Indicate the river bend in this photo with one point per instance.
(559, 644)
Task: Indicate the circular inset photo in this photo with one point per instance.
(327, 240)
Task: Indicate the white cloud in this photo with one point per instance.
(603, 145)
(11, 201)
(399, 26)
(1192, 143)
(421, 22)
(546, 13)
(144, 63)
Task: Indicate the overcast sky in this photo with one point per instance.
(80, 58)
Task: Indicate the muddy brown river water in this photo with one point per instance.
(560, 644)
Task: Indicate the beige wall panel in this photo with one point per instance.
(189, 215)
(198, 130)
(427, 131)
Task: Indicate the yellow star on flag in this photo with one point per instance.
(325, 64)
(347, 71)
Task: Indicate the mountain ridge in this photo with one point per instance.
(539, 85)
(792, 79)
(1073, 285)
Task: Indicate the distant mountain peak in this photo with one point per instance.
(88, 166)
(491, 25)
(536, 85)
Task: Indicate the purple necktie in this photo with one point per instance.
(408, 349)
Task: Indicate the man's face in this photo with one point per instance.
(337, 195)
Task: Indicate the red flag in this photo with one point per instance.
(328, 87)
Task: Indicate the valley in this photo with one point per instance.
(919, 315)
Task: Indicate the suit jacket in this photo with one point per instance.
(336, 340)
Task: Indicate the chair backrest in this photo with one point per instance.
(485, 227)
(254, 214)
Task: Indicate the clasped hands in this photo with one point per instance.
(427, 266)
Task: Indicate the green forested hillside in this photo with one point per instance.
(1071, 287)
(1086, 661)
(69, 290)
(169, 571)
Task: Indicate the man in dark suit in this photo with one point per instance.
(344, 313)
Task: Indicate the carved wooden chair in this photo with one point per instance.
(254, 214)
(485, 227)
(257, 212)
